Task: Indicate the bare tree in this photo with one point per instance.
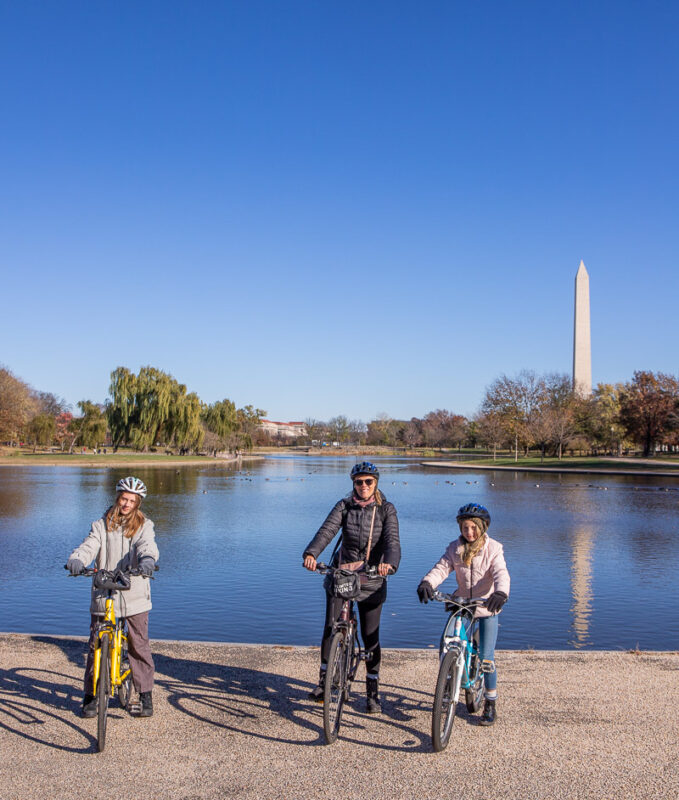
(516, 401)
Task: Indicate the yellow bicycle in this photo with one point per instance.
(112, 675)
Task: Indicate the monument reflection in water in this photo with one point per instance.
(579, 549)
(581, 584)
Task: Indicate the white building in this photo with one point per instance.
(283, 430)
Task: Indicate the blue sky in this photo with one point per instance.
(335, 208)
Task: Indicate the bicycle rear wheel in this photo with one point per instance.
(443, 711)
(474, 696)
(103, 690)
(334, 693)
(126, 685)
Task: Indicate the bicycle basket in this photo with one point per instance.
(344, 584)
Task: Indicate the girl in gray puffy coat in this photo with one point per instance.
(123, 538)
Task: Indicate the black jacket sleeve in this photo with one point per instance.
(391, 553)
(326, 533)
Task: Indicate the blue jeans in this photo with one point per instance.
(487, 639)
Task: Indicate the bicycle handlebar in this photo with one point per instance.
(371, 572)
(110, 579)
(463, 602)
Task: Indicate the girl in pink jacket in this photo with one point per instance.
(480, 569)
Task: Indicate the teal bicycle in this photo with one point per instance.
(460, 666)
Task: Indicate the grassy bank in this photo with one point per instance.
(635, 464)
(23, 458)
(604, 466)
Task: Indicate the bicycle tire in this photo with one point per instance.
(335, 691)
(103, 691)
(353, 661)
(443, 710)
(474, 696)
(125, 687)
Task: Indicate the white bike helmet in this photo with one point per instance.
(131, 484)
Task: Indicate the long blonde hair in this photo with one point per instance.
(130, 523)
(471, 549)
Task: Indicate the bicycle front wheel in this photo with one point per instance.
(103, 690)
(335, 687)
(443, 712)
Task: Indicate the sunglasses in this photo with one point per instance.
(366, 481)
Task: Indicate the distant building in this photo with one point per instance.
(283, 430)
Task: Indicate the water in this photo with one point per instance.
(593, 559)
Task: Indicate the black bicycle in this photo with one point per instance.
(346, 653)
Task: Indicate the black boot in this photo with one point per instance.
(373, 699)
(488, 716)
(318, 691)
(89, 709)
(146, 704)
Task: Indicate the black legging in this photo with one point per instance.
(369, 612)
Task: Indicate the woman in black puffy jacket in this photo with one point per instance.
(369, 528)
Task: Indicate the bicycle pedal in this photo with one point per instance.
(487, 666)
(134, 708)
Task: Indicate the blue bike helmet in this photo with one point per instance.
(474, 510)
(364, 468)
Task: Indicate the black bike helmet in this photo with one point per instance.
(474, 510)
(364, 468)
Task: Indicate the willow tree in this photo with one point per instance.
(121, 409)
(221, 419)
(156, 394)
(41, 430)
(92, 426)
(188, 432)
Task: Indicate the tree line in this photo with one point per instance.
(534, 412)
(144, 411)
(525, 412)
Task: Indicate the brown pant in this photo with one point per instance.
(138, 650)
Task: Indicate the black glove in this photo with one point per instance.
(495, 602)
(425, 591)
(76, 566)
(146, 565)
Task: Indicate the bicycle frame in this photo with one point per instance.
(455, 637)
(115, 629)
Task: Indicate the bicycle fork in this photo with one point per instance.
(457, 643)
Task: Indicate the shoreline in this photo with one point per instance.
(110, 461)
(306, 648)
(235, 721)
(573, 470)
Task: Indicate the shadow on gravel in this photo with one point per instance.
(39, 705)
(237, 699)
(254, 703)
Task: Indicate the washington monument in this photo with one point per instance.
(582, 347)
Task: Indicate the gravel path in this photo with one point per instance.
(234, 721)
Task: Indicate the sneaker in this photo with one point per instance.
(146, 704)
(89, 708)
(372, 705)
(488, 716)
